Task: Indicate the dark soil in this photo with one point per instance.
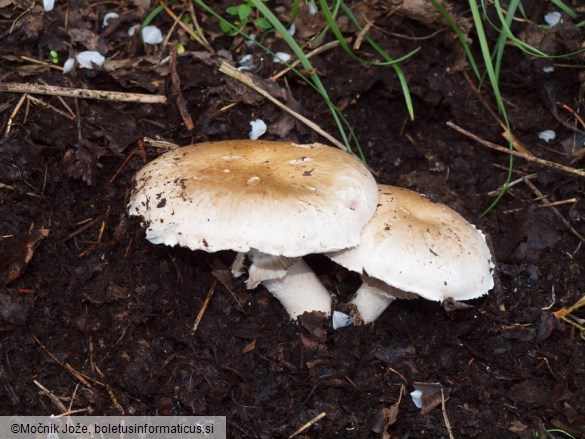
(97, 298)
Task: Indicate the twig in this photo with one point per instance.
(198, 29)
(564, 313)
(56, 401)
(507, 134)
(186, 28)
(530, 158)
(83, 228)
(245, 79)
(496, 192)
(445, 417)
(67, 107)
(309, 55)
(13, 115)
(16, 87)
(159, 143)
(548, 204)
(308, 424)
(15, 21)
(85, 379)
(176, 84)
(46, 105)
(43, 63)
(204, 306)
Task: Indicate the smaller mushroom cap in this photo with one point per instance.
(421, 247)
(279, 198)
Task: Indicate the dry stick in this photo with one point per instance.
(56, 401)
(444, 410)
(86, 380)
(245, 79)
(553, 165)
(176, 84)
(548, 204)
(17, 87)
(43, 63)
(507, 134)
(311, 54)
(79, 375)
(49, 106)
(13, 115)
(308, 424)
(186, 28)
(204, 306)
(198, 29)
(159, 143)
(67, 107)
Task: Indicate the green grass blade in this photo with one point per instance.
(494, 83)
(460, 37)
(339, 119)
(384, 54)
(294, 46)
(566, 9)
(150, 17)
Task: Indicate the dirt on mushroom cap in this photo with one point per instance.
(276, 197)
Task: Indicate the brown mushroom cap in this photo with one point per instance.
(280, 198)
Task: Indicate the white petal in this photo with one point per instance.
(246, 63)
(258, 128)
(312, 7)
(88, 58)
(547, 135)
(340, 320)
(132, 30)
(553, 18)
(281, 57)
(251, 40)
(48, 5)
(292, 30)
(68, 66)
(151, 35)
(109, 16)
(417, 398)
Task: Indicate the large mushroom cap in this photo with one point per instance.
(276, 197)
(421, 247)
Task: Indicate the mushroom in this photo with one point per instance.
(413, 247)
(272, 201)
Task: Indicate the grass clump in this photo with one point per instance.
(309, 74)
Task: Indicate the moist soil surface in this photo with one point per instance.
(94, 319)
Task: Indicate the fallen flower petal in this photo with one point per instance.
(68, 66)
(89, 58)
(258, 128)
(48, 5)
(151, 35)
(109, 16)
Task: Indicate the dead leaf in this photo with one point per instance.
(85, 37)
(451, 304)
(390, 414)
(80, 163)
(517, 427)
(16, 253)
(249, 347)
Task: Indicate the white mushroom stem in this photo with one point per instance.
(300, 291)
(370, 302)
(374, 296)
